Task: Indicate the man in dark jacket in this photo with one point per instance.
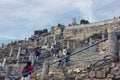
(37, 54)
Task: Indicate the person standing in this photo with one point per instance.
(66, 58)
(37, 54)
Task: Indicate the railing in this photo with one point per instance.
(74, 53)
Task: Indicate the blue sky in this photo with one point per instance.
(19, 18)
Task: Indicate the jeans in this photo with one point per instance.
(37, 59)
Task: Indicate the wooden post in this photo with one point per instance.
(113, 44)
(11, 51)
(45, 70)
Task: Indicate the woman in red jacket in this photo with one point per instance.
(28, 71)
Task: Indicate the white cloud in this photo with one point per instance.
(3, 36)
(25, 16)
(85, 7)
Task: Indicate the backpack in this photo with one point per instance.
(25, 72)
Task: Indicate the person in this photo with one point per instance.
(37, 54)
(26, 51)
(66, 58)
(53, 50)
(28, 72)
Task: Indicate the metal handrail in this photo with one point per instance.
(76, 52)
(80, 50)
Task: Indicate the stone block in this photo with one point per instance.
(83, 68)
(77, 77)
(77, 70)
(80, 76)
(51, 72)
(100, 74)
(113, 64)
(110, 76)
(61, 75)
(115, 70)
(70, 71)
(92, 74)
(107, 70)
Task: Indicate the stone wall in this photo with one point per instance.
(86, 30)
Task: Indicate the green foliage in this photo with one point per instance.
(83, 21)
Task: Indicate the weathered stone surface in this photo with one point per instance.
(100, 74)
(92, 74)
(45, 69)
(115, 70)
(83, 68)
(113, 43)
(70, 71)
(77, 70)
(2, 77)
(110, 76)
(80, 76)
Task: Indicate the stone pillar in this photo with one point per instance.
(45, 70)
(2, 44)
(18, 61)
(113, 44)
(32, 59)
(74, 45)
(90, 42)
(4, 62)
(104, 34)
(45, 40)
(25, 39)
(68, 44)
(35, 42)
(11, 51)
(17, 42)
(74, 21)
(19, 50)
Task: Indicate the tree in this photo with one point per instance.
(83, 21)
